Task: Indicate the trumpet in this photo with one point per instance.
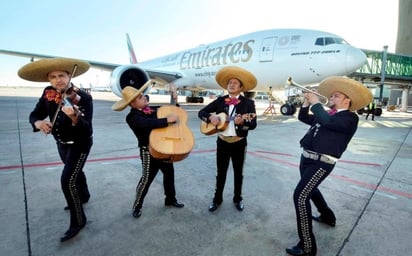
(323, 99)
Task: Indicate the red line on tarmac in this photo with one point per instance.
(356, 182)
(257, 154)
(29, 165)
(89, 160)
(275, 159)
(372, 186)
(60, 163)
(273, 153)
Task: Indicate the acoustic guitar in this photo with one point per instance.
(174, 142)
(209, 129)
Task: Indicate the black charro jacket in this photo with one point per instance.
(142, 124)
(327, 134)
(63, 130)
(245, 106)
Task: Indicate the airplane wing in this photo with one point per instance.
(164, 75)
(32, 56)
(153, 73)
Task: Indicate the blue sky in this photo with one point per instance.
(95, 30)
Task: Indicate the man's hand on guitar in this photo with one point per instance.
(172, 118)
(214, 119)
(238, 119)
(248, 117)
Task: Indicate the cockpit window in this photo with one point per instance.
(329, 40)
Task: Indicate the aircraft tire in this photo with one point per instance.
(378, 111)
(287, 109)
(194, 99)
(360, 111)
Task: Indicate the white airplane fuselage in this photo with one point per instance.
(271, 55)
(308, 56)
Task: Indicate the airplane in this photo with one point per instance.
(308, 56)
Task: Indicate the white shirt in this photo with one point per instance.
(230, 130)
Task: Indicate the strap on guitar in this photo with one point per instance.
(233, 110)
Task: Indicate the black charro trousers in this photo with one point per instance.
(224, 153)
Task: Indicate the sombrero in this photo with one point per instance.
(359, 95)
(225, 74)
(37, 71)
(129, 93)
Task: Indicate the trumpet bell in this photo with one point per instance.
(323, 99)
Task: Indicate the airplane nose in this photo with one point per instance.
(355, 58)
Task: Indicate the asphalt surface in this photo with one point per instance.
(370, 190)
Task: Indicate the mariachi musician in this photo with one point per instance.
(231, 142)
(70, 123)
(142, 119)
(323, 144)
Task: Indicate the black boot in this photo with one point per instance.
(72, 232)
(174, 202)
(297, 251)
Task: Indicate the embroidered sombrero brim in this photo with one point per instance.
(225, 74)
(37, 71)
(360, 95)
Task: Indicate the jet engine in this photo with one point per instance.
(127, 75)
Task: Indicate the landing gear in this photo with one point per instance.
(287, 109)
(291, 104)
(194, 99)
(378, 111)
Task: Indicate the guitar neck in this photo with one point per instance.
(247, 116)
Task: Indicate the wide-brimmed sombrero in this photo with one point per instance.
(225, 74)
(37, 71)
(359, 95)
(129, 93)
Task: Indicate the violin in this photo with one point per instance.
(69, 97)
(72, 96)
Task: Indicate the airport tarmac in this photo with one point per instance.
(370, 190)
